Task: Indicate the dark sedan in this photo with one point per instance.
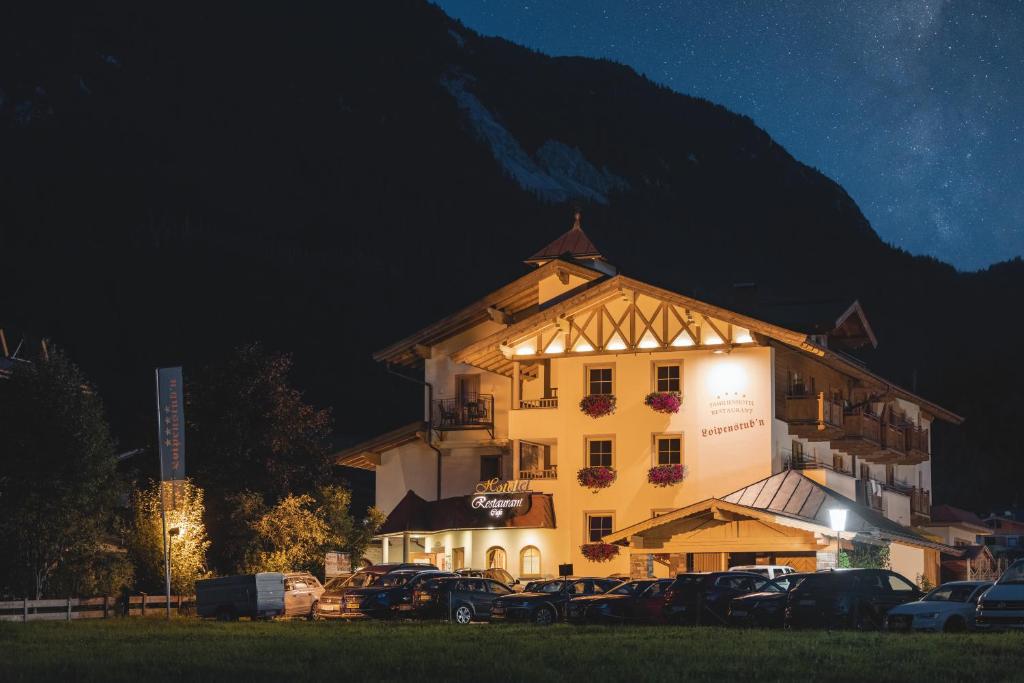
(703, 598)
(638, 601)
(389, 596)
(546, 603)
(458, 599)
(767, 607)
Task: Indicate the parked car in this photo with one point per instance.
(765, 608)
(302, 593)
(495, 573)
(1002, 606)
(847, 598)
(459, 598)
(331, 602)
(389, 596)
(951, 608)
(639, 601)
(546, 603)
(769, 571)
(703, 598)
(257, 596)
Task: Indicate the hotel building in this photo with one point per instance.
(731, 440)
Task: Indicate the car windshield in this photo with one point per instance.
(950, 593)
(338, 582)
(1015, 574)
(628, 588)
(395, 579)
(549, 587)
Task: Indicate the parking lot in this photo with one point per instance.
(152, 649)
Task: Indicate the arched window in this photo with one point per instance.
(496, 558)
(529, 561)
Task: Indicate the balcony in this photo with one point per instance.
(814, 417)
(917, 445)
(547, 473)
(530, 403)
(870, 492)
(802, 461)
(470, 411)
(862, 433)
(920, 503)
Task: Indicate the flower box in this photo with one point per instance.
(595, 478)
(664, 401)
(598, 405)
(666, 475)
(599, 552)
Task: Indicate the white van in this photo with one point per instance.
(770, 571)
(1002, 606)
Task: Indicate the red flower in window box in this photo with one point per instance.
(599, 552)
(666, 475)
(598, 405)
(595, 478)
(664, 401)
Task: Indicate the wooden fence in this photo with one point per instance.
(67, 609)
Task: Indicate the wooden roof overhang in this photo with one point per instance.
(488, 353)
(366, 454)
(505, 303)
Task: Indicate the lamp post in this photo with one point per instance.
(171, 533)
(837, 520)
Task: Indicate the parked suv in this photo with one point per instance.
(302, 593)
(494, 573)
(850, 598)
(765, 607)
(331, 601)
(389, 596)
(703, 598)
(1002, 605)
(546, 604)
(768, 571)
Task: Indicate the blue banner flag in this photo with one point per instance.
(170, 404)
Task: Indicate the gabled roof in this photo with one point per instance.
(414, 513)
(366, 454)
(573, 244)
(947, 515)
(508, 302)
(804, 502)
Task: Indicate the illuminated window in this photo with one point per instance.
(496, 558)
(668, 450)
(600, 452)
(599, 525)
(529, 561)
(667, 377)
(599, 380)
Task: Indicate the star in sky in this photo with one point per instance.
(913, 106)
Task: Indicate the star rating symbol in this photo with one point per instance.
(167, 442)
(167, 409)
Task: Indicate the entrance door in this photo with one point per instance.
(458, 558)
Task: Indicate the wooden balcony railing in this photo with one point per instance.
(920, 502)
(806, 462)
(894, 437)
(547, 473)
(917, 439)
(803, 409)
(528, 403)
(870, 493)
(860, 423)
(470, 411)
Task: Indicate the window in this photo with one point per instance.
(899, 584)
(498, 589)
(458, 558)
(668, 450)
(599, 380)
(796, 384)
(599, 525)
(667, 377)
(496, 558)
(535, 461)
(529, 561)
(600, 452)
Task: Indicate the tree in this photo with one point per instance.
(865, 556)
(58, 478)
(345, 532)
(291, 536)
(186, 535)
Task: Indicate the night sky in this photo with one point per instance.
(915, 107)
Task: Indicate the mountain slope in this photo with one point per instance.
(326, 178)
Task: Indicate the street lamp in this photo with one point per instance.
(837, 520)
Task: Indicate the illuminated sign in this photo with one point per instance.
(497, 498)
(497, 485)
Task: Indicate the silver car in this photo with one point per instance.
(948, 608)
(302, 593)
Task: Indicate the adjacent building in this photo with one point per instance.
(581, 416)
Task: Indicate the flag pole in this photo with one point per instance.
(163, 506)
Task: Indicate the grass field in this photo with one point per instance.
(145, 649)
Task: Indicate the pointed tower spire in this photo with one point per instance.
(573, 245)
